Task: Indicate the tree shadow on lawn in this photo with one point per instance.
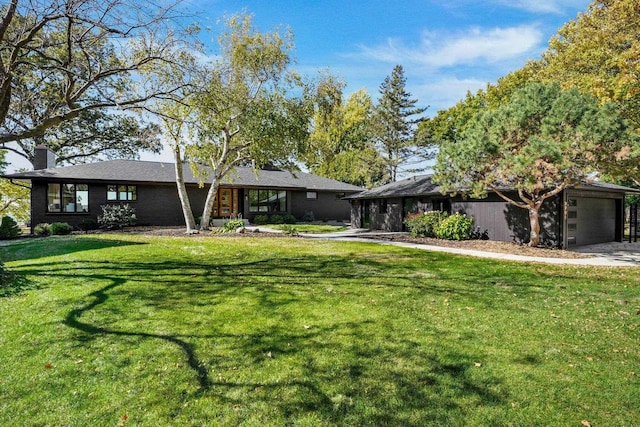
(373, 387)
(14, 283)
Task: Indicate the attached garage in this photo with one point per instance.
(593, 217)
(586, 214)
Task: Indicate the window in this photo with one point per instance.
(67, 198)
(572, 214)
(312, 194)
(267, 201)
(127, 193)
(382, 206)
(573, 202)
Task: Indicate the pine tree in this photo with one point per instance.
(396, 128)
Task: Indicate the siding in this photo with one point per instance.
(328, 206)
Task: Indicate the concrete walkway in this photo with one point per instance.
(612, 254)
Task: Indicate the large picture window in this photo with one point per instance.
(67, 198)
(267, 201)
(127, 193)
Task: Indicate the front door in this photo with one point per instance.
(226, 203)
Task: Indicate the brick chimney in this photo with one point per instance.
(43, 158)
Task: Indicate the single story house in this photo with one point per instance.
(582, 215)
(73, 194)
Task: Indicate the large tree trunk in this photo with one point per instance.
(208, 204)
(182, 193)
(534, 221)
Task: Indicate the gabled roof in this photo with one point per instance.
(422, 185)
(135, 171)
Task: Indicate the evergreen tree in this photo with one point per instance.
(395, 127)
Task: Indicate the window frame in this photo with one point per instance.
(267, 200)
(129, 191)
(67, 195)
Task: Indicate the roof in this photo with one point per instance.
(422, 185)
(136, 171)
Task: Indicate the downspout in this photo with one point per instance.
(18, 184)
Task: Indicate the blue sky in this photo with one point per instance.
(447, 47)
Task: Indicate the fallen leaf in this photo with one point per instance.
(270, 355)
(555, 316)
(478, 364)
(47, 366)
(586, 423)
(307, 326)
(125, 417)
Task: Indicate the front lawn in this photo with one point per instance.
(138, 330)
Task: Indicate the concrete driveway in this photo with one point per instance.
(616, 252)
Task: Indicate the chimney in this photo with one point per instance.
(43, 158)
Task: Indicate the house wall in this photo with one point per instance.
(597, 217)
(158, 204)
(328, 205)
(505, 222)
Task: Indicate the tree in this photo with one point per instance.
(92, 135)
(341, 144)
(245, 112)
(393, 116)
(599, 53)
(14, 198)
(64, 61)
(538, 144)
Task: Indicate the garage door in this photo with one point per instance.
(591, 221)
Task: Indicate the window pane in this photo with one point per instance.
(122, 192)
(282, 200)
(312, 195)
(53, 198)
(132, 193)
(253, 200)
(68, 198)
(82, 198)
(112, 192)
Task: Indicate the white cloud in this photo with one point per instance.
(436, 50)
(542, 6)
(445, 92)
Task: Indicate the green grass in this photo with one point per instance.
(122, 329)
(309, 228)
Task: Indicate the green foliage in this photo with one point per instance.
(4, 275)
(455, 227)
(395, 127)
(289, 230)
(115, 217)
(60, 228)
(88, 224)
(308, 216)
(261, 219)
(42, 229)
(15, 200)
(539, 143)
(288, 219)
(425, 224)
(246, 109)
(276, 219)
(341, 145)
(9, 228)
(232, 226)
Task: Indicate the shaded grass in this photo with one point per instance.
(193, 331)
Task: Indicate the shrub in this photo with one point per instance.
(261, 219)
(276, 219)
(88, 224)
(308, 216)
(455, 227)
(60, 228)
(9, 228)
(289, 219)
(425, 224)
(289, 230)
(232, 226)
(42, 229)
(115, 217)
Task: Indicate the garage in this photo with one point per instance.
(592, 220)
